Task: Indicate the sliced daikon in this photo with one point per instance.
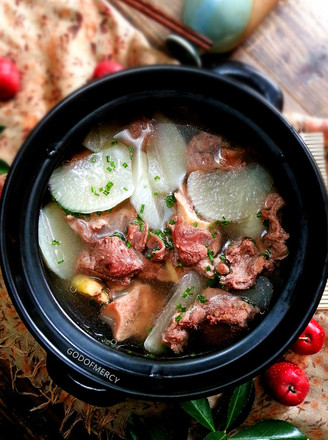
(59, 244)
(184, 295)
(151, 207)
(102, 136)
(251, 227)
(229, 195)
(96, 182)
(260, 294)
(167, 157)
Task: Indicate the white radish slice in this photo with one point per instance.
(167, 157)
(229, 195)
(59, 244)
(102, 135)
(151, 208)
(251, 227)
(185, 294)
(96, 182)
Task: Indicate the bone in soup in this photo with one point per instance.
(163, 236)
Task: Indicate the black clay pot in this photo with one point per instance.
(100, 374)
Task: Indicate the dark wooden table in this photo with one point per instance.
(290, 46)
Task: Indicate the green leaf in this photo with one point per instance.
(239, 399)
(200, 411)
(270, 430)
(218, 435)
(2, 127)
(4, 167)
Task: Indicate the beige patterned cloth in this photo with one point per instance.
(56, 45)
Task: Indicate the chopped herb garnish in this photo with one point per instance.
(131, 150)
(149, 330)
(128, 244)
(193, 355)
(150, 355)
(211, 227)
(157, 178)
(181, 309)
(112, 164)
(140, 221)
(266, 223)
(210, 255)
(108, 158)
(165, 236)
(93, 159)
(119, 235)
(125, 189)
(180, 264)
(202, 299)
(208, 268)
(258, 214)
(214, 234)
(55, 242)
(224, 222)
(109, 185)
(217, 222)
(171, 222)
(125, 165)
(109, 169)
(114, 142)
(105, 341)
(188, 292)
(142, 209)
(266, 254)
(94, 191)
(222, 256)
(155, 194)
(60, 261)
(195, 224)
(178, 318)
(170, 200)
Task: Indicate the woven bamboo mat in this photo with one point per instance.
(315, 143)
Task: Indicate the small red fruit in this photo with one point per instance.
(9, 79)
(311, 340)
(286, 383)
(106, 67)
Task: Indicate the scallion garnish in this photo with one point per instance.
(170, 200)
(157, 178)
(202, 299)
(195, 224)
(142, 209)
(125, 165)
(55, 242)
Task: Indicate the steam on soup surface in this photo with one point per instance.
(171, 231)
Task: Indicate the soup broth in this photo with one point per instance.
(163, 238)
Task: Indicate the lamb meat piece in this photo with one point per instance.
(140, 127)
(158, 271)
(133, 313)
(137, 238)
(276, 237)
(96, 227)
(109, 258)
(193, 244)
(208, 152)
(246, 263)
(156, 247)
(217, 307)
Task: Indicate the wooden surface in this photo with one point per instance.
(291, 47)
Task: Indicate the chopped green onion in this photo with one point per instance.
(142, 209)
(258, 214)
(109, 169)
(266, 223)
(178, 318)
(180, 264)
(202, 299)
(195, 224)
(224, 221)
(60, 261)
(149, 330)
(108, 158)
(55, 243)
(170, 200)
(93, 160)
(208, 268)
(210, 255)
(125, 189)
(131, 150)
(125, 165)
(128, 244)
(114, 142)
(155, 194)
(172, 222)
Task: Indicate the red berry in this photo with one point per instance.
(311, 340)
(286, 383)
(106, 67)
(9, 79)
